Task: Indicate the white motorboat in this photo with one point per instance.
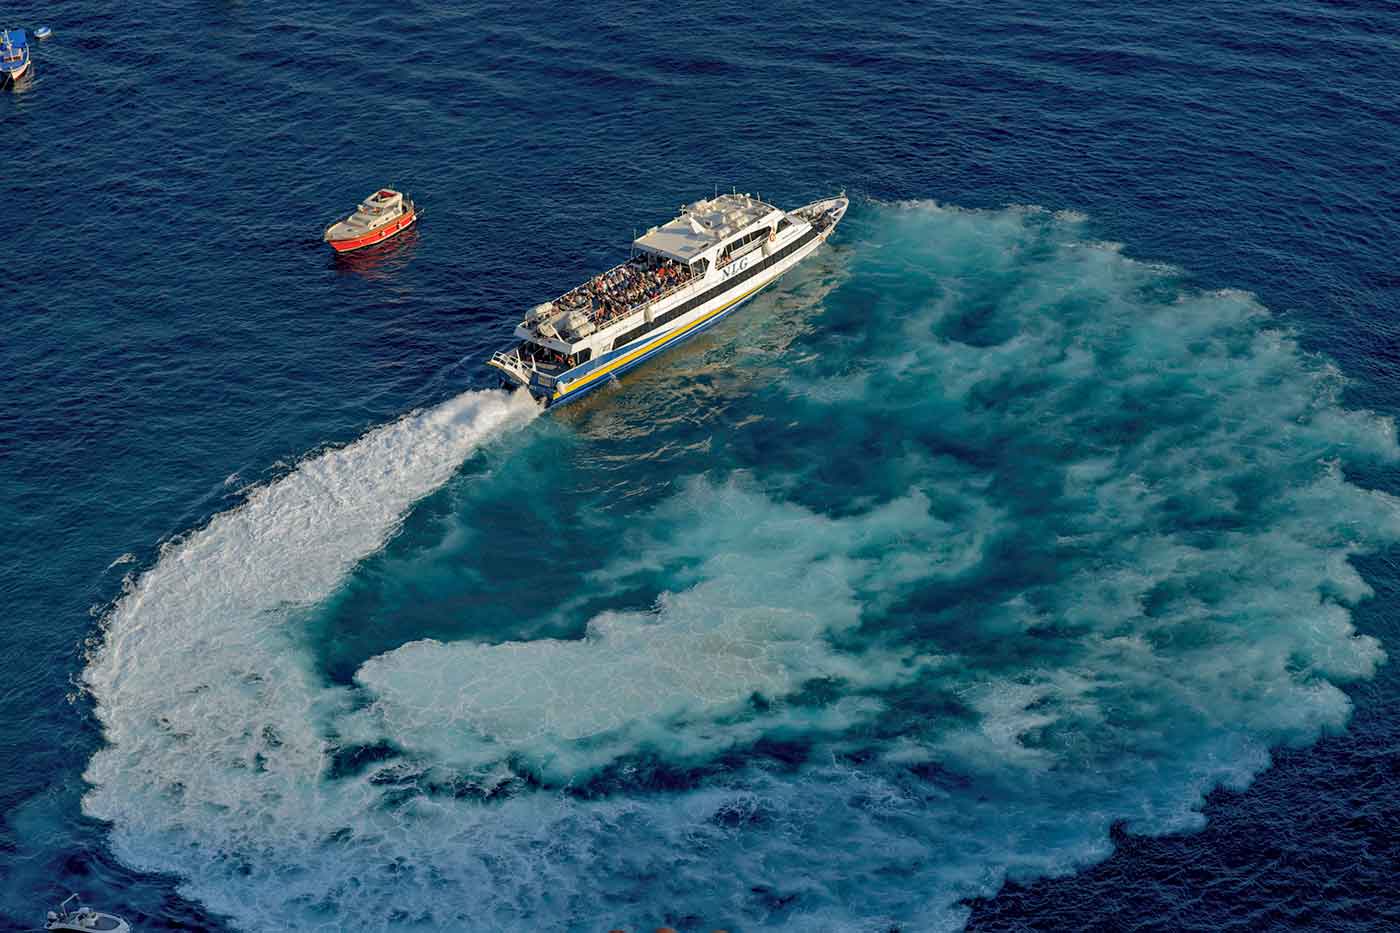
(73, 917)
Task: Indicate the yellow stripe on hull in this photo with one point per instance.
(659, 342)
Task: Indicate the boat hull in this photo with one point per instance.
(582, 380)
(377, 235)
(10, 78)
(699, 327)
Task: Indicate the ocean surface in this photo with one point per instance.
(1028, 559)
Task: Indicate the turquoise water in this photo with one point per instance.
(981, 543)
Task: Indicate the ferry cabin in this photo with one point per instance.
(682, 277)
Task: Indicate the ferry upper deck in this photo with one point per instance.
(664, 259)
(703, 225)
(731, 244)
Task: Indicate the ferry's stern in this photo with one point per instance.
(517, 371)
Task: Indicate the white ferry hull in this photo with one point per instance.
(579, 381)
(573, 393)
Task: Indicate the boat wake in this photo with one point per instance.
(1032, 541)
(205, 695)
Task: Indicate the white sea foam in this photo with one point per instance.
(1127, 581)
(773, 583)
(127, 558)
(205, 696)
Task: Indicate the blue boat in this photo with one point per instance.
(14, 56)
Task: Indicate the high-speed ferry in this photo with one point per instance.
(682, 277)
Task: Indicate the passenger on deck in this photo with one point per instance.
(615, 293)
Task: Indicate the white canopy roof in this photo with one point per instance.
(702, 225)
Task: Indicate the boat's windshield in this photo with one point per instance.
(540, 357)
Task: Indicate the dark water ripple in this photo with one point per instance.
(174, 330)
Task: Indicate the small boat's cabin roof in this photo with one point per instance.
(12, 44)
(702, 225)
(381, 200)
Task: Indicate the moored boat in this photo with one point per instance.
(380, 216)
(14, 56)
(683, 276)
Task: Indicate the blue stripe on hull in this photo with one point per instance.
(675, 341)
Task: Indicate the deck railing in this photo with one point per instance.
(634, 310)
(526, 371)
(597, 315)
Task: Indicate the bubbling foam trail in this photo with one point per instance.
(773, 583)
(1031, 541)
(204, 695)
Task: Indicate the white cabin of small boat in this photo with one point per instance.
(378, 209)
(383, 200)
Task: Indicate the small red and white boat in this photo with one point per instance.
(379, 217)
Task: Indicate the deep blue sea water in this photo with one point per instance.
(1026, 560)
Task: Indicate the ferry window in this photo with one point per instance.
(700, 266)
(632, 335)
(583, 356)
(784, 224)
